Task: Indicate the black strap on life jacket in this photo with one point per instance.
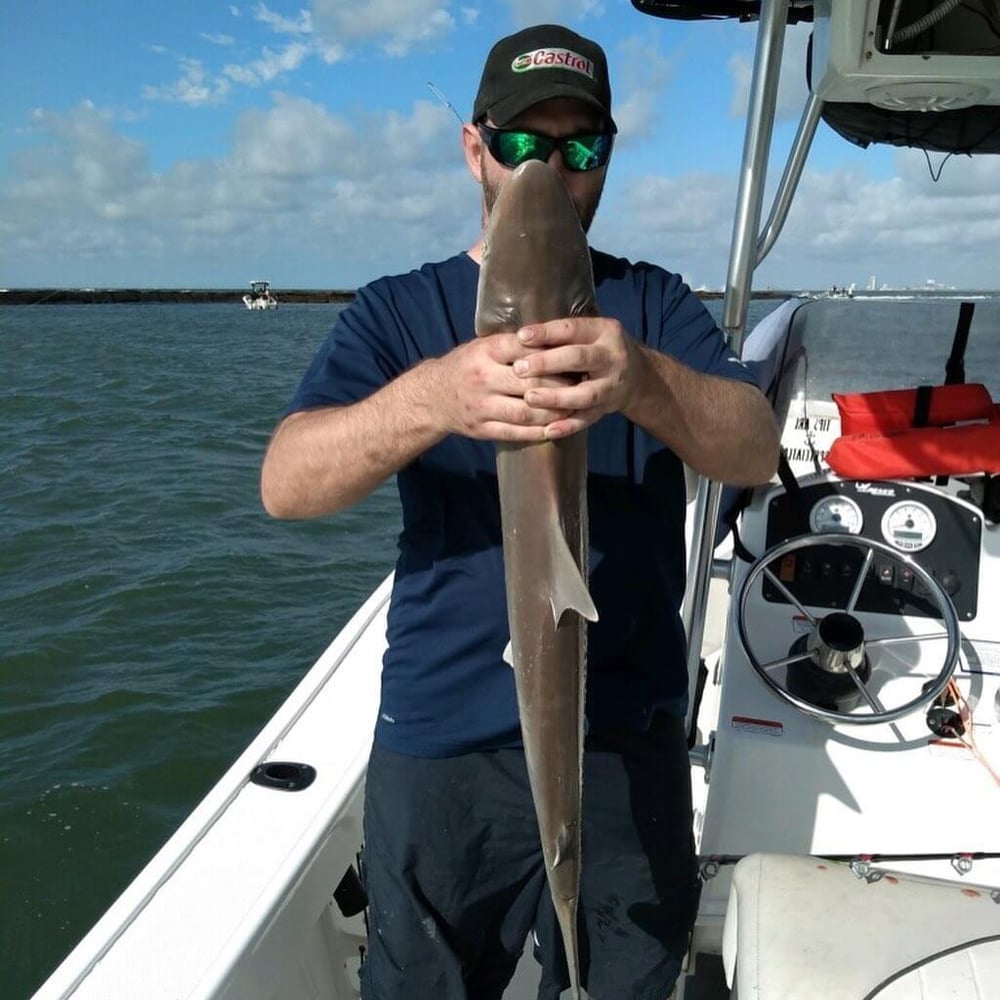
(922, 406)
(954, 369)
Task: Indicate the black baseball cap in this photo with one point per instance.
(539, 63)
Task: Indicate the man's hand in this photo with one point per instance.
(582, 367)
(481, 395)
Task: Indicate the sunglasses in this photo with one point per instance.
(580, 153)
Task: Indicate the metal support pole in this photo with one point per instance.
(790, 178)
(742, 259)
(753, 171)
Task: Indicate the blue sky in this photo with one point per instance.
(202, 144)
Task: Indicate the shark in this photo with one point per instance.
(536, 267)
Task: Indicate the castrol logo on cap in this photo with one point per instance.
(553, 58)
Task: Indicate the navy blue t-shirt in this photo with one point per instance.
(445, 686)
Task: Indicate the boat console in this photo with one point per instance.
(924, 527)
(852, 713)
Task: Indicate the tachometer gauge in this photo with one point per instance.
(835, 513)
(908, 526)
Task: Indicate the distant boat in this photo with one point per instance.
(260, 296)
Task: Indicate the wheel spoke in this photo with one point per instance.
(856, 593)
(896, 639)
(785, 660)
(788, 595)
(873, 703)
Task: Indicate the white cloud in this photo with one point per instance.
(218, 39)
(854, 217)
(195, 86)
(406, 37)
(683, 223)
(269, 65)
(396, 25)
(330, 52)
(643, 70)
(527, 12)
(792, 89)
(302, 25)
(295, 139)
(436, 127)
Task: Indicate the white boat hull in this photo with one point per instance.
(257, 304)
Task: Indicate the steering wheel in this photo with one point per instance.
(835, 649)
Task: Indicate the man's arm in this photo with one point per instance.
(323, 460)
(720, 427)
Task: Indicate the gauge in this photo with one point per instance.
(835, 513)
(908, 526)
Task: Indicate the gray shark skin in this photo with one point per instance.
(536, 267)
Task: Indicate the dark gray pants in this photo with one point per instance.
(456, 880)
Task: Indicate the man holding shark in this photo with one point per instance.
(403, 386)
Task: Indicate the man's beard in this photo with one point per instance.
(586, 209)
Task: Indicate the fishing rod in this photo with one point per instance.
(861, 864)
(444, 100)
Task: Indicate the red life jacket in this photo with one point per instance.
(879, 441)
(895, 409)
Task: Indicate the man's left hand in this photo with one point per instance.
(594, 349)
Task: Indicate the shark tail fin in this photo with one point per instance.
(569, 589)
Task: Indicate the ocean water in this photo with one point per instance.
(152, 616)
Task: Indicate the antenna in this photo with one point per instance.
(444, 100)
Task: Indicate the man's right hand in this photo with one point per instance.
(481, 397)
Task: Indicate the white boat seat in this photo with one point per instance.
(800, 928)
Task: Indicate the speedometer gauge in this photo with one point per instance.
(908, 526)
(835, 513)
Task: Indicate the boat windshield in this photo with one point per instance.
(896, 340)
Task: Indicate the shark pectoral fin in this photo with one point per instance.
(569, 589)
(508, 654)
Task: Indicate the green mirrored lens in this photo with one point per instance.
(517, 147)
(586, 152)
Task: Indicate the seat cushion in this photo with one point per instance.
(800, 928)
